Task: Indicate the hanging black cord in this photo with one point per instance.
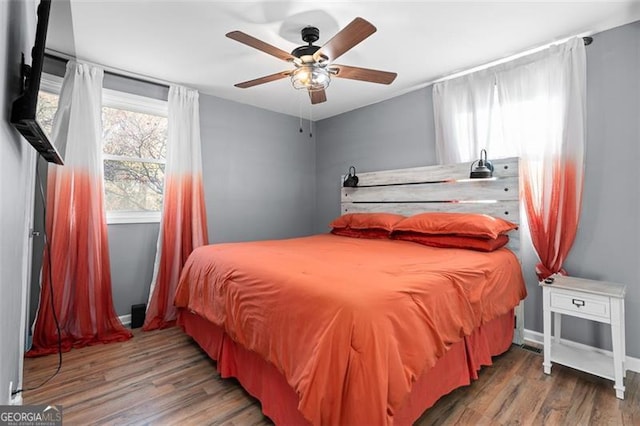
(47, 248)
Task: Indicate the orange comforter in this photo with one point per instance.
(350, 323)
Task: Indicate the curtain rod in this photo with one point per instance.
(586, 39)
(61, 56)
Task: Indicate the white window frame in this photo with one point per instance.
(130, 102)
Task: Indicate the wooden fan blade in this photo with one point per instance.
(260, 45)
(364, 74)
(351, 35)
(317, 96)
(262, 80)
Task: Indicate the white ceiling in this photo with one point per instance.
(184, 41)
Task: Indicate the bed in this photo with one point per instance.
(328, 329)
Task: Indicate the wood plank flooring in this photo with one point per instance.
(163, 378)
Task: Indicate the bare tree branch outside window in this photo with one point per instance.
(133, 185)
(47, 106)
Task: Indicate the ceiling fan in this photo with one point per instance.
(314, 65)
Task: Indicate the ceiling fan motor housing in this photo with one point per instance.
(309, 34)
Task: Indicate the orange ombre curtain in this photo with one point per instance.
(76, 262)
(533, 107)
(543, 107)
(553, 220)
(184, 221)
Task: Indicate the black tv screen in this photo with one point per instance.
(23, 112)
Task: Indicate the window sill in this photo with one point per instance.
(121, 218)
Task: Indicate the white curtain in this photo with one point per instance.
(184, 225)
(533, 107)
(463, 116)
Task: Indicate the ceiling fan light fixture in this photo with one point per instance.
(310, 77)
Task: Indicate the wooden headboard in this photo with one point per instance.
(440, 188)
(443, 188)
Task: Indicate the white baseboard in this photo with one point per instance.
(125, 319)
(530, 336)
(16, 400)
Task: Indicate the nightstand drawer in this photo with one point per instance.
(589, 305)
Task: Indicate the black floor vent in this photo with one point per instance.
(531, 348)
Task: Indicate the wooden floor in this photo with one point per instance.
(162, 377)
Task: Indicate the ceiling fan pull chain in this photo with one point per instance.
(310, 120)
(300, 111)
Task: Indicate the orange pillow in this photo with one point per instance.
(361, 233)
(367, 221)
(454, 241)
(461, 224)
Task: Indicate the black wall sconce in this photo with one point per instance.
(351, 180)
(482, 168)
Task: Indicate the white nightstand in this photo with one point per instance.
(592, 300)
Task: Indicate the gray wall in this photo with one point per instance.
(132, 251)
(399, 133)
(608, 242)
(259, 172)
(17, 26)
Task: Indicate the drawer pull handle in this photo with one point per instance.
(577, 302)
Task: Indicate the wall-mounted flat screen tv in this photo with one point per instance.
(23, 112)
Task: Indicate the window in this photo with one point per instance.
(135, 147)
(134, 144)
(490, 123)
